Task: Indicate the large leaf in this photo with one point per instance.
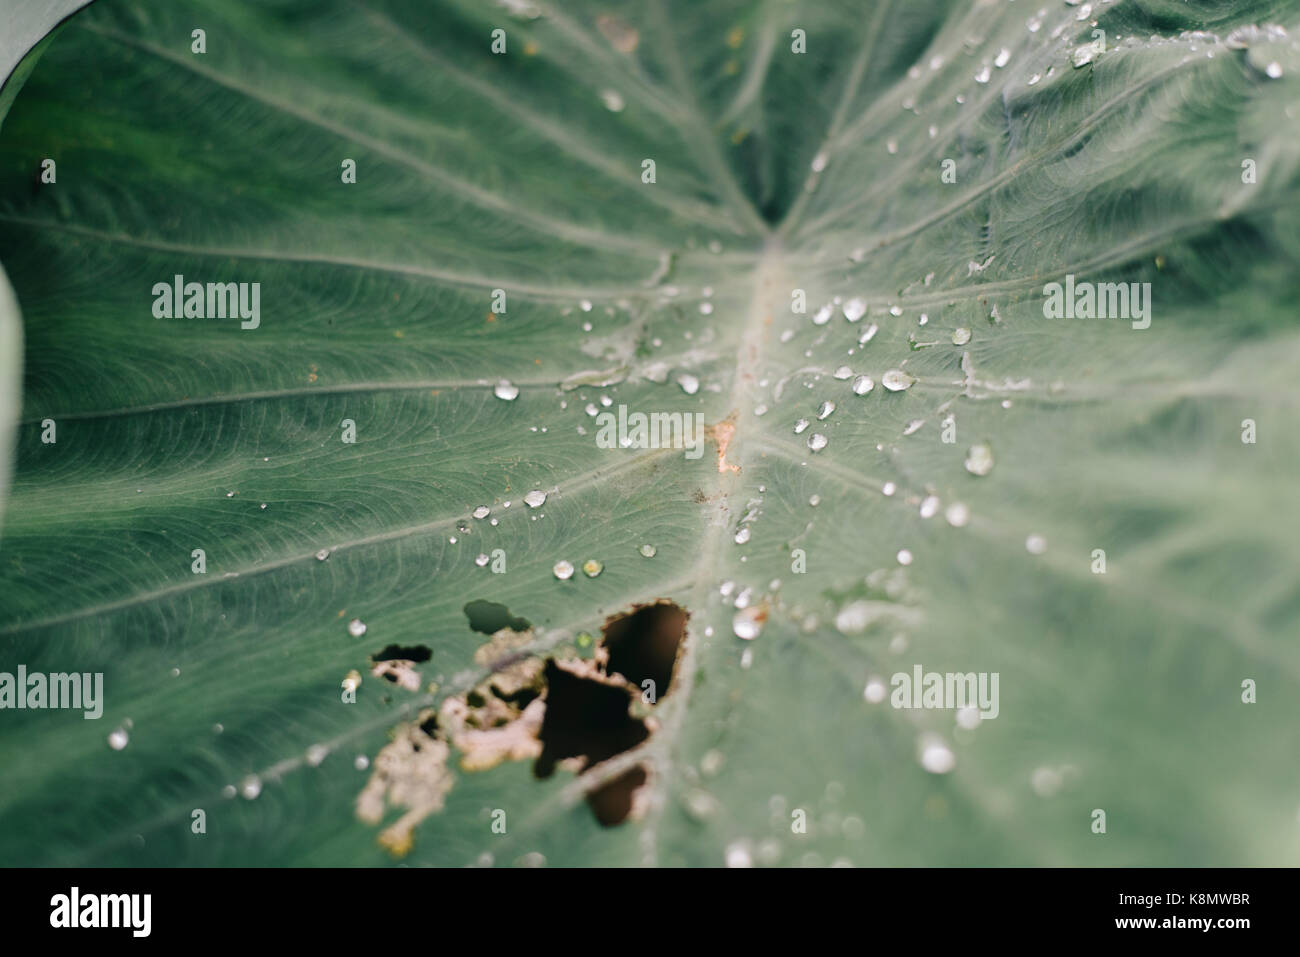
(775, 171)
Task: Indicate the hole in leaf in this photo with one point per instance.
(489, 617)
(586, 717)
(644, 643)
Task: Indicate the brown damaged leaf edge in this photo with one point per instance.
(559, 711)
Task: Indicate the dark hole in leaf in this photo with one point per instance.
(644, 643)
(589, 720)
(613, 802)
(489, 617)
(430, 725)
(416, 653)
(585, 718)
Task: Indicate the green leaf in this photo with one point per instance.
(885, 549)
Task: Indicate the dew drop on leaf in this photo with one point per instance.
(822, 315)
(936, 757)
(800, 426)
(535, 499)
(863, 384)
(689, 383)
(118, 739)
(854, 309)
(482, 511)
(356, 628)
(979, 460)
(817, 441)
(896, 380)
(504, 390)
(648, 551)
(747, 623)
(563, 570)
(825, 409)
(960, 336)
(957, 514)
(592, 567)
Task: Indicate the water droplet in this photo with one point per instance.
(689, 383)
(760, 409)
(983, 75)
(819, 162)
(361, 763)
(875, 691)
(936, 756)
(913, 426)
(929, 506)
(535, 499)
(356, 628)
(843, 372)
(957, 514)
(648, 551)
(612, 100)
(118, 739)
(1036, 544)
(817, 441)
(868, 334)
(250, 787)
(904, 557)
(823, 315)
(482, 512)
(563, 570)
(585, 305)
(481, 561)
(742, 536)
(815, 500)
(504, 390)
(854, 309)
(862, 385)
(1274, 70)
(979, 460)
(323, 554)
(1033, 80)
(825, 409)
(748, 623)
(706, 308)
(896, 380)
(889, 488)
(592, 567)
(738, 856)
(1004, 55)
(800, 426)
(1083, 55)
(316, 754)
(960, 336)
